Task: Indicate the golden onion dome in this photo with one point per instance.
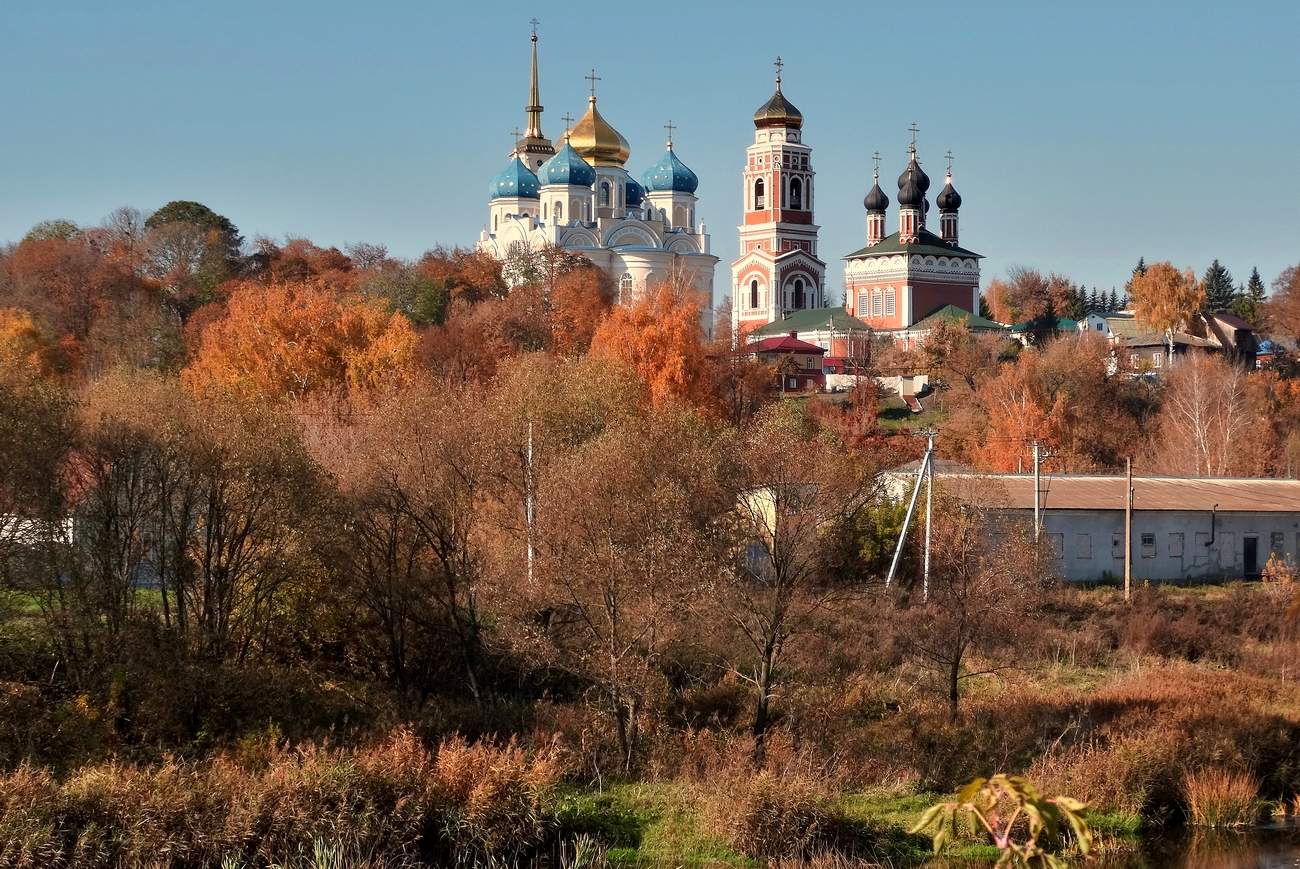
(598, 142)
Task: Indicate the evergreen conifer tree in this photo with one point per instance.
(1114, 303)
(1248, 301)
(1094, 302)
(1219, 289)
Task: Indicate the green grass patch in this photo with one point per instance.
(894, 414)
(646, 823)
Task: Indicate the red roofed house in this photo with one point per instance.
(798, 364)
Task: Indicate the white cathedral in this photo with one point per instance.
(582, 199)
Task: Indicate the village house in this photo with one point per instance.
(1136, 348)
(798, 364)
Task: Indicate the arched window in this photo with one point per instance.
(604, 193)
(891, 301)
(625, 289)
(875, 303)
(753, 294)
(796, 193)
(559, 212)
(495, 219)
(758, 195)
(798, 292)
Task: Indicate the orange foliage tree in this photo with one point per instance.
(1018, 412)
(289, 339)
(660, 338)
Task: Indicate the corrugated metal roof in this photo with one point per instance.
(1067, 492)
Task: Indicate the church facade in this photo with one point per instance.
(898, 280)
(583, 199)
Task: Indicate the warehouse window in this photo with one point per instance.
(1117, 546)
(1148, 546)
(1277, 543)
(1175, 544)
(1082, 546)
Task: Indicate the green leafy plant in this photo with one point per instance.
(1027, 828)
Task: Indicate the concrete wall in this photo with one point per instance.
(1091, 543)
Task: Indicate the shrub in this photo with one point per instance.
(466, 803)
(496, 797)
(767, 815)
(1218, 797)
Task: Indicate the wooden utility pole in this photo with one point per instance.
(1128, 530)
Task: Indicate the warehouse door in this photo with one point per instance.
(1250, 555)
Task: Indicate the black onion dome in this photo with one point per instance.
(948, 199)
(916, 172)
(912, 185)
(876, 200)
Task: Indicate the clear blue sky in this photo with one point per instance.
(1085, 136)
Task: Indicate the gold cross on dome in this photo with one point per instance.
(593, 78)
(778, 63)
(948, 157)
(670, 127)
(915, 129)
(516, 133)
(534, 22)
(875, 158)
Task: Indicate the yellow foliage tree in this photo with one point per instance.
(1165, 298)
(22, 346)
(290, 339)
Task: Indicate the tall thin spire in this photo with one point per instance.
(534, 107)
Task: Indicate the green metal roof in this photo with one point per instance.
(927, 244)
(1063, 324)
(954, 314)
(813, 320)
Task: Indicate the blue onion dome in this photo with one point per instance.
(876, 200)
(635, 193)
(948, 199)
(670, 174)
(567, 167)
(516, 180)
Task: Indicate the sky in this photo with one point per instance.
(1085, 135)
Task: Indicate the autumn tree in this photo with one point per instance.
(795, 485)
(1282, 310)
(985, 586)
(1204, 419)
(291, 339)
(1164, 299)
(1018, 410)
(578, 301)
(57, 229)
(190, 249)
(22, 346)
(627, 544)
(66, 284)
(1026, 294)
(660, 337)
(413, 471)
